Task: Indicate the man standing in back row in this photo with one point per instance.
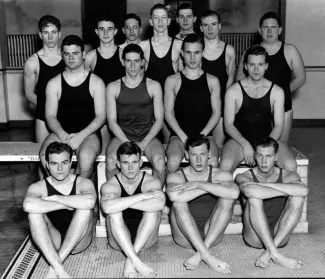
(286, 67)
(185, 17)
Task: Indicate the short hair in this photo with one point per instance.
(128, 148)
(267, 142)
(210, 13)
(159, 7)
(193, 38)
(48, 19)
(57, 148)
(73, 40)
(269, 15)
(197, 141)
(185, 6)
(133, 48)
(105, 17)
(256, 50)
(132, 16)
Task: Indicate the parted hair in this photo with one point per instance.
(159, 7)
(44, 21)
(128, 148)
(57, 148)
(197, 141)
(133, 16)
(73, 40)
(185, 6)
(267, 142)
(210, 13)
(133, 48)
(105, 17)
(193, 38)
(269, 15)
(256, 50)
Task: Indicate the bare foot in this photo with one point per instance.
(129, 270)
(145, 269)
(263, 260)
(286, 261)
(193, 262)
(61, 273)
(215, 263)
(50, 273)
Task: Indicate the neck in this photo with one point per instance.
(199, 175)
(193, 72)
(59, 183)
(186, 31)
(126, 180)
(132, 42)
(160, 36)
(51, 50)
(266, 175)
(106, 46)
(255, 83)
(274, 44)
(213, 42)
(79, 71)
(129, 80)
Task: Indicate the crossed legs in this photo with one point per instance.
(55, 249)
(257, 232)
(186, 234)
(120, 239)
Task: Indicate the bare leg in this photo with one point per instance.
(215, 228)
(122, 237)
(111, 168)
(214, 153)
(232, 155)
(259, 223)
(155, 153)
(166, 133)
(219, 134)
(41, 133)
(288, 116)
(87, 153)
(175, 154)
(106, 137)
(285, 158)
(188, 226)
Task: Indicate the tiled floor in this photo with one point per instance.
(15, 178)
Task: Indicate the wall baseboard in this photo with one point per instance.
(308, 123)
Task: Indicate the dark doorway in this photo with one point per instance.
(92, 9)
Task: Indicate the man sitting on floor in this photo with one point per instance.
(203, 199)
(60, 210)
(133, 201)
(274, 201)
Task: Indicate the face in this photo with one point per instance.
(50, 36)
(130, 165)
(133, 63)
(265, 158)
(159, 20)
(198, 157)
(256, 66)
(131, 29)
(73, 56)
(192, 55)
(186, 19)
(270, 30)
(106, 31)
(210, 27)
(59, 165)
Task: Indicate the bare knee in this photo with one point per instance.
(290, 164)
(173, 164)
(227, 165)
(159, 163)
(213, 161)
(296, 203)
(111, 167)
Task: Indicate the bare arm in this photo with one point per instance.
(30, 76)
(85, 197)
(214, 86)
(240, 70)
(169, 102)
(297, 66)
(111, 96)
(231, 67)
(155, 90)
(277, 97)
(90, 60)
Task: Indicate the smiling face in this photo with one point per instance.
(270, 30)
(59, 165)
(105, 31)
(159, 20)
(265, 158)
(73, 57)
(210, 26)
(50, 35)
(198, 157)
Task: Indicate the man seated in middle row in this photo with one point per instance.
(133, 201)
(135, 113)
(192, 103)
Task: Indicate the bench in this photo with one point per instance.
(28, 152)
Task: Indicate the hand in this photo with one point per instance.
(249, 183)
(154, 195)
(249, 154)
(74, 140)
(142, 146)
(226, 184)
(187, 186)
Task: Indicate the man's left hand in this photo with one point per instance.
(74, 140)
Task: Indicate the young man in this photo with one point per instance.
(133, 201)
(40, 68)
(60, 210)
(218, 60)
(253, 109)
(131, 29)
(135, 113)
(274, 203)
(286, 67)
(192, 103)
(185, 17)
(161, 52)
(203, 198)
(75, 107)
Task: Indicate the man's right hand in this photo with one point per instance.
(249, 154)
(151, 195)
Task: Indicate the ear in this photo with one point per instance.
(259, 31)
(141, 163)
(169, 21)
(60, 34)
(219, 26)
(96, 31)
(187, 157)
(177, 20)
(40, 35)
(140, 30)
(245, 66)
(123, 30)
(280, 30)
(276, 157)
(122, 61)
(266, 66)
(194, 19)
(143, 62)
(118, 164)
(84, 54)
(209, 154)
(150, 21)
(201, 28)
(115, 31)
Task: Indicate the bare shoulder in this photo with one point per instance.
(96, 80)
(290, 49)
(212, 79)
(144, 44)
(37, 189)
(230, 50)
(110, 186)
(290, 176)
(152, 84)
(151, 183)
(114, 86)
(277, 91)
(175, 177)
(173, 78)
(55, 82)
(178, 43)
(245, 176)
(32, 64)
(234, 90)
(218, 174)
(91, 55)
(84, 184)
